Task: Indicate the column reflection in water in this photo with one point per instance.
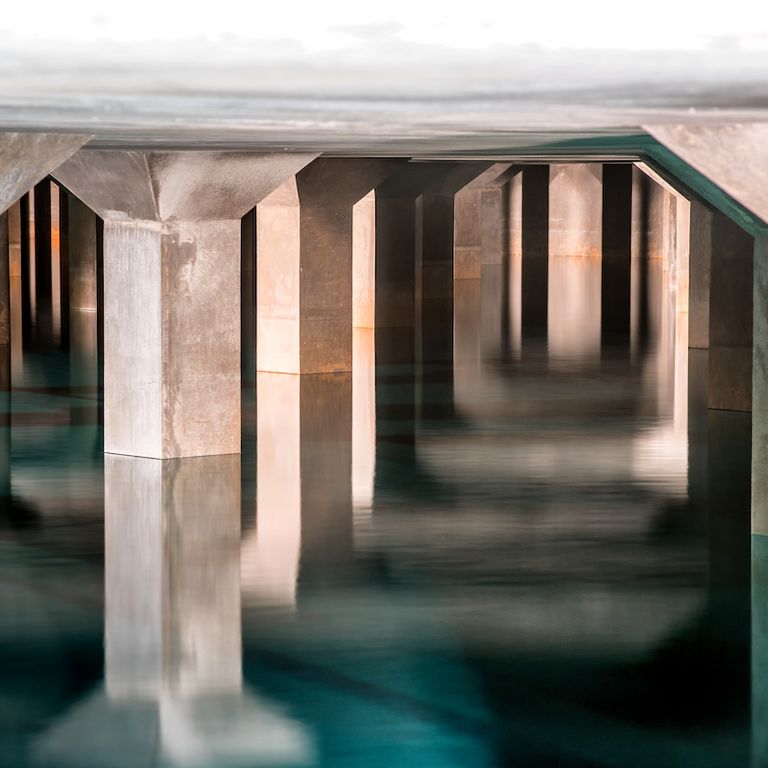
(304, 485)
(363, 422)
(173, 691)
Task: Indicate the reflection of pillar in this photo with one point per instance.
(363, 420)
(172, 287)
(535, 247)
(174, 693)
(304, 482)
(730, 317)
(616, 250)
(304, 265)
(172, 554)
(759, 651)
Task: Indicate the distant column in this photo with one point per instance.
(535, 247)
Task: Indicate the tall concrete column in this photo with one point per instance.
(699, 275)
(82, 298)
(434, 261)
(479, 223)
(534, 248)
(304, 266)
(575, 244)
(730, 317)
(43, 233)
(5, 311)
(364, 262)
(172, 291)
(616, 246)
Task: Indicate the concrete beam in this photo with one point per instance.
(27, 158)
(172, 291)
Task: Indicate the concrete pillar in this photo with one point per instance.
(534, 248)
(248, 315)
(304, 267)
(575, 244)
(82, 294)
(434, 261)
(730, 317)
(479, 223)
(5, 314)
(43, 280)
(575, 210)
(616, 247)
(364, 262)
(699, 275)
(172, 291)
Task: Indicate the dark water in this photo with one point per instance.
(536, 556)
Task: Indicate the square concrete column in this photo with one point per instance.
(575, 210)
(434, 261)
(5, 310)
(534, 247)
(700, 258)
(304, 267)
(616, 247)
(730, 316)
(364, 262)
(479, 223)
(172, 291)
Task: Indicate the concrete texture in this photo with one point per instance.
(172, 291)
(364, 262)
(305, 266)
(730, 317)
(575, 210)
(479, 222)
(5, 305)
(26, 158)
(699, 275)
(722, 153)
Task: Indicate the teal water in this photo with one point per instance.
(519, 559)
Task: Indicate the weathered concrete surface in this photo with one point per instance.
(479, 221)
(699, 275)
(172, 291)
(26, 158)
(730, 317)
(364, 262)
(575, 210)
(5, 306)
(760, 390)
(734, 156)
(155, 186)
(616, 248)
(14, 239)
(172, 338)
(304, 266)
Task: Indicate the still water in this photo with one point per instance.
(537, 555)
